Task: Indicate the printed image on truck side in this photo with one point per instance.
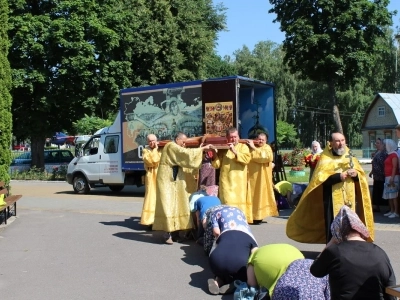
(163, 112)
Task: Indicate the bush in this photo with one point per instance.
(295, 159)
(57, 174)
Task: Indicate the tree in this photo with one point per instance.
(89, 125)
(219, 67)
(332, 41)
(265, 62)
(5, 97)
(286, 134)
(70, 58)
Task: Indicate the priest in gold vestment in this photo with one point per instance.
(338, 180)
(151, 159)
(172, 199)
(260, 192)
(233, 172)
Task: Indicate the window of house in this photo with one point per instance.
(381, 111)
(372, 141)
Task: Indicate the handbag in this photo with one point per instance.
(243, 292)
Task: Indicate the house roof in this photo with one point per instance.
(393, 100)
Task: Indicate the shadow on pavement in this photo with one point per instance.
(140, 233)
(194, 255)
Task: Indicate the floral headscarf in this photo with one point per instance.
(211, 190)
(345, 221)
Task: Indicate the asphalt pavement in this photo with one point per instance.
(68, 246)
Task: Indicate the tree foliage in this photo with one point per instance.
(286, 134)
(216, 67)
(70, 58)
(5, 97)
(89, 125)
(332, 41)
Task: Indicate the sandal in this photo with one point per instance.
(213, 287)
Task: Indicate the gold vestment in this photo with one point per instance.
(172, 199)
(260, 192)
(233, 177)
(151, 159)
(306, 224)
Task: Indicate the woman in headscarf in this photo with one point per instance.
(233, 245)
(357, 269)
(378, 174)
(313, 158)
(392, 176)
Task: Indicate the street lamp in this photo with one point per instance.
(397, 37)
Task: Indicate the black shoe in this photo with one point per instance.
(257, 222)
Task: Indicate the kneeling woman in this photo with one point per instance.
(231, 250)
(357, 269)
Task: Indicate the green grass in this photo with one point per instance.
(297, 179)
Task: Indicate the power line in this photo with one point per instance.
(324, 113)
(317, 108)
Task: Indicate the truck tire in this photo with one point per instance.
(80, 185)
(116, 188)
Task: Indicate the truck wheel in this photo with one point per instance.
(81, 185)
(116, 188)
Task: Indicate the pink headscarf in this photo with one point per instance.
(211, 190)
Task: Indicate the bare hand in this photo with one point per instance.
(207, 147)
(232, 148)
(343, 176)
(352, 173)
(250, 143)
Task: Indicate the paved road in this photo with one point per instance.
(67, 246)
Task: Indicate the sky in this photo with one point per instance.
(249, 22)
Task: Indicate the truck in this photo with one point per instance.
(113, 155)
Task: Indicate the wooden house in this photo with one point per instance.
(380, 120)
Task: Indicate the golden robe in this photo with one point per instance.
(191, 176)
(233, 177)
(151, 159)
(307, 222)
(172, 199)
(260, 192)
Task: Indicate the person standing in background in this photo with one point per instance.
(313, 158)
(151, 159)
(378, 174)
(392, 175)
(260, 191)
(207, 172)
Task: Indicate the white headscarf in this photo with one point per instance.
(319, 150)
(390, 145)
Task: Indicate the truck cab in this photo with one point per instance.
(98, 162)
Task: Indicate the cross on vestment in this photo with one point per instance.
(350, 156)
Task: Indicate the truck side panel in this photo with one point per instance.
(257, 112)
(164, 111)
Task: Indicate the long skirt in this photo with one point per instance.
(377, 192)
